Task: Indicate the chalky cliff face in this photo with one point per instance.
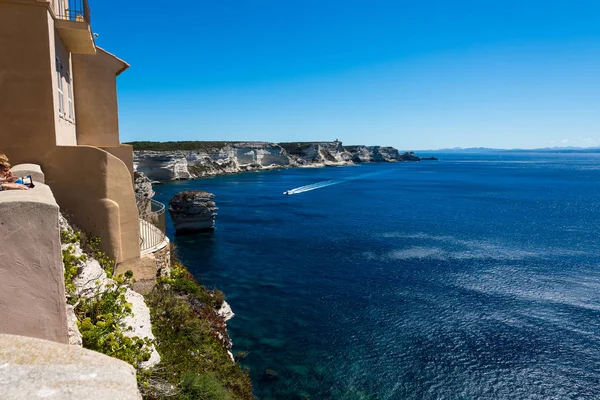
(326, 153)
(234, 157)
(218, 160)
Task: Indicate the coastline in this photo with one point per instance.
(192, 160)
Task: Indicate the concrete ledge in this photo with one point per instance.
(35, 369)
(32, 291)
(29, 169)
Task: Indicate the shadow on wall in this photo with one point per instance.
(96, 188)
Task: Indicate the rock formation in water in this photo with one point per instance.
(409, 156)
(192, 211)
(167, 161)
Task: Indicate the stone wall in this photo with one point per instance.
(32, 291)
(40, 369)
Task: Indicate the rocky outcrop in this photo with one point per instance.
(212, 159)
(409, 156)
(75, 338)
(193, 211)
(90, 278)
(220, 158)
(361, 154)
(143, 192)
(318, 153)
(163, 165)
(225, 311)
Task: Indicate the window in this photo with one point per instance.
(71, 114)
(61, 9)
(61, 100)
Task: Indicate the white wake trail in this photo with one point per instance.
(320, 185)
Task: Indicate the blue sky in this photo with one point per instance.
(411, 74)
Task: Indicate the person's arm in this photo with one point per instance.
(12, 186)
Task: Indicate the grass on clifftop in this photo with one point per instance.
(175, 146)
(190, 338)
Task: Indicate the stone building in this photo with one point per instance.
(58, 109)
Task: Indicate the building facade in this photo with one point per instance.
(58, 109)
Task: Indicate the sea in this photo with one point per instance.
(473, 277)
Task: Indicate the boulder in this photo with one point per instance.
(270, 375)
(193, 211)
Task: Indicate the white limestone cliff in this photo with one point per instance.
(220, 158)
(92, 277)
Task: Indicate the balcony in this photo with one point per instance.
(72, 20)
(152, 225)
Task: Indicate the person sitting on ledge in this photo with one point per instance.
(7, 179)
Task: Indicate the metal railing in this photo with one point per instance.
(72, 10)
(152, 223)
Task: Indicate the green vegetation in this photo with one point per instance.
(93, 247)
(100, 321)
(101, 313)
(174, 146)
(190, 338)
(205, 386)
(201, 170)
(296, 148)
(71, 262)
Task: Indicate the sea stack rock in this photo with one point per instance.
(193, 211)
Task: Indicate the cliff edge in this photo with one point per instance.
(189, 160)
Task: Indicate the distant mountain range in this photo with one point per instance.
(569, 149)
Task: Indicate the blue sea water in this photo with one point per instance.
(474, 277)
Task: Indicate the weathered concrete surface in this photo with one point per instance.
(95, 91)
(144, 269)
(75, 338)
(32, 291)
(39, 369)
(29, 169)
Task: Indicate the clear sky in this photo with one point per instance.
(411, 74)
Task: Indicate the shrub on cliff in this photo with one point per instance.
(191, 339)
(205, 387)
(101, 311)
(177, 146)
(100, 321)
